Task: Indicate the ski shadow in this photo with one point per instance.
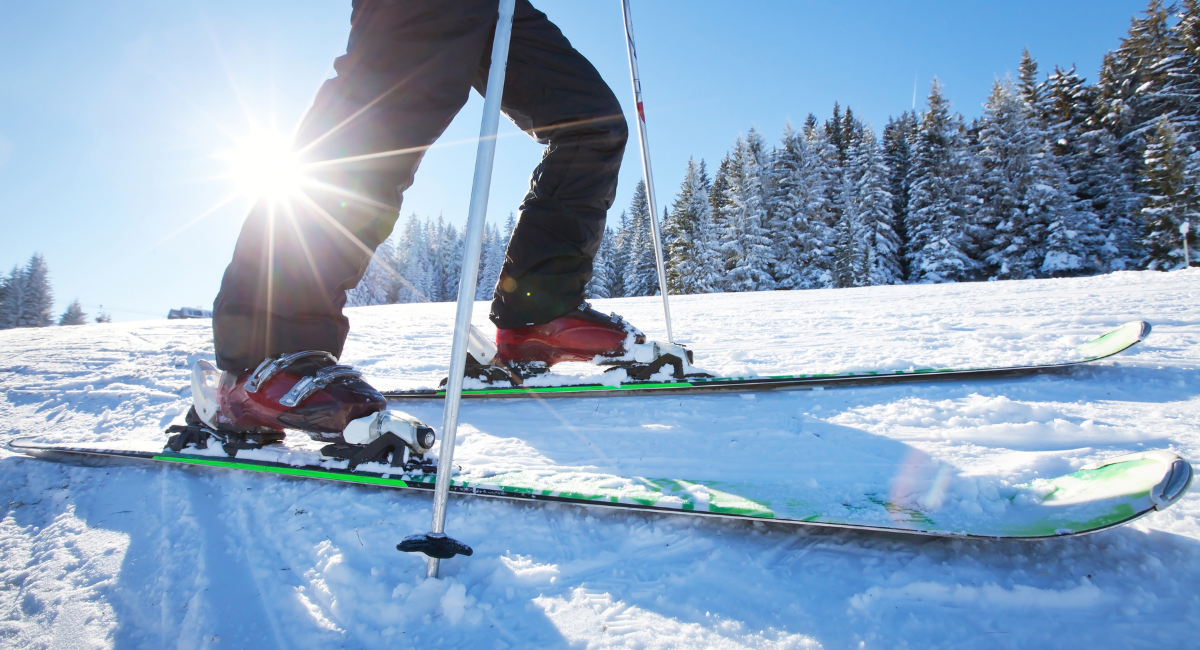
(768, 448)
(177, 582)
(178, 570)
(820, 587)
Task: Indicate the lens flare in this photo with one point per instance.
(264, 165)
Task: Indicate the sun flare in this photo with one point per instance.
(264, 165)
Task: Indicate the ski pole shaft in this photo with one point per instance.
(484, 157)
(647, 174)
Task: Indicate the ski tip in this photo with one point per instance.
(1177, 474)
(21, 444)
(1144, 330)
(1174, 485)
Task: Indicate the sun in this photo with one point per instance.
(264, 165)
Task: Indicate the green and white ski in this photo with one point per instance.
(1098, 496)
(1106, 345)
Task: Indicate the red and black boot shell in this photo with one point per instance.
(326, 411)
(580, 335)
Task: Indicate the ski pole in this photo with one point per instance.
(476, 214)
(647, 174)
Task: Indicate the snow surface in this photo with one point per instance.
(97, 554)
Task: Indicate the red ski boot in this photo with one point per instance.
(589, 336)
(308, 391)
(304, 390)
(583, 334)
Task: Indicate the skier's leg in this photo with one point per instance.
(553, 93)
(408, 69)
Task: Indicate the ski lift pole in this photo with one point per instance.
(647, 174)
(484, 157)
(1183, 230)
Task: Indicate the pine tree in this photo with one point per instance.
(1130, 90)
(1088, 155)
(412, 263)
(641, 269)
(744, 237)
(684, 231)
(378, 284)
(940, 244)
(1172, 199)
(1179, 92)
(803, 217)
(786, 204)
(875, 258)
(716, 269)
(618, 256)
(898, 138)
(1027, 81)
(73, 315)
(600, 286)
(840, 132)
(12, 310)
(1009, 141)
(38, 299)
(490, 262)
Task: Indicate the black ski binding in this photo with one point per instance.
(435, 545)
(377, 451)
(644, 371)
(488, 373)
(231, 441)
(196, 433)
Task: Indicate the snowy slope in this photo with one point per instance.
(121, 555)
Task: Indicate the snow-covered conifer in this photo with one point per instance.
(490, 261)
(641, 269)
(743, 229)
(684, 231)
(898, 138)
(1172, 199)
(38, 298)
(12, 309)
(73, 315)
(412, 263)
(378, 284)
(1130, 86)
(875, 258)
(600, 285)
(940, 244)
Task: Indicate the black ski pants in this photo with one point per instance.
(408, 69)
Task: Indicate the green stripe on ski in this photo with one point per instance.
(1091, 499)
(289, 471)
(1105, 345)
(560, 389)
(1113, 342)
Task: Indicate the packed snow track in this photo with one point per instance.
(98, 554)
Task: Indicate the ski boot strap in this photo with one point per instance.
(271, 366)
(315, 382)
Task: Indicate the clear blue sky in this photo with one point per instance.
(113, 114)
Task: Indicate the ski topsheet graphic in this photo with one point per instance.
(1106, 345)
(1095, 497)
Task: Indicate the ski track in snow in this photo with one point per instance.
(98, 554)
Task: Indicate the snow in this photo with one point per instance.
(97, 554)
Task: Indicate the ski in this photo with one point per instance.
(1106, 345)
(1095, 497)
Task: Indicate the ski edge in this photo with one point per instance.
(782, 382)
(1173, 486)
